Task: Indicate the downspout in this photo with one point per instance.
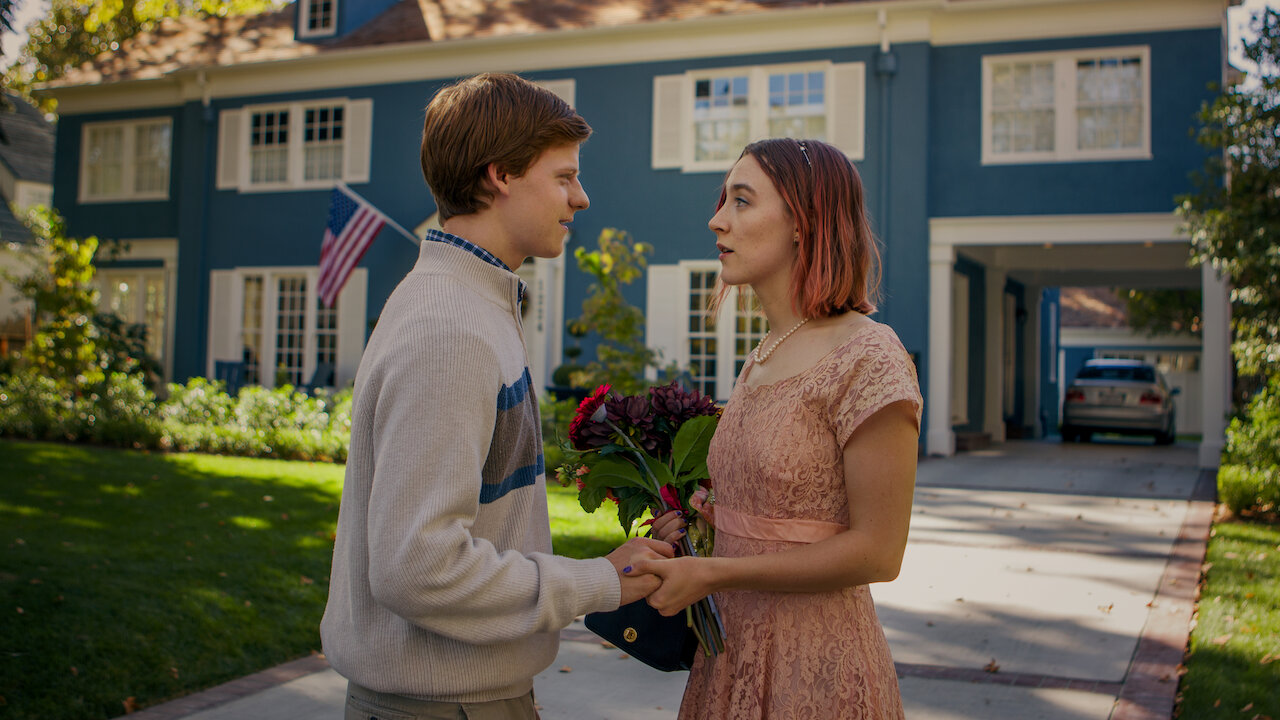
(210, 165)
(886, 68)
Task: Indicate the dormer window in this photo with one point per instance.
(317, 18)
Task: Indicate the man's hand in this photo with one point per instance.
(635, 585)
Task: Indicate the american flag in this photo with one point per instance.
(353, 223)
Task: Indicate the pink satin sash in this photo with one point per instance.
(786, 530)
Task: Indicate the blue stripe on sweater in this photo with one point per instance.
(513, 395)
(522, 477)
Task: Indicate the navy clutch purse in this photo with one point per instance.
(662, 643)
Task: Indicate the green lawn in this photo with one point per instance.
(150, 576)
(1233, 667)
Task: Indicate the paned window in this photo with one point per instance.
(702, 341)
(797, 104)
(281, 331)
(1084, 105)
(295, 146)
(269, 147)
(322, 143)
(138, 297)
(291, 329)
(711, 348)
(319, 17)
(126, 160)
(251, 329)
(702, 119)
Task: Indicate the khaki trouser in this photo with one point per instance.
(366, 704)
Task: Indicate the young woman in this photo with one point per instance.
(814, 460)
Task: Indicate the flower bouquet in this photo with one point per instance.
(647, 453)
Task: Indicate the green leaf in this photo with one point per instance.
(612, 472)
(690, 446)
(591, 496)
(630, 509)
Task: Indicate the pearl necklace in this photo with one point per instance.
(768, 353)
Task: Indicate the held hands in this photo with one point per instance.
(637, 585)
(684, 581)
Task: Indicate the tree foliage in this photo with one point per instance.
(1158, 312)
(1234, 216)
(74, 345)
(77, 31)
(622, 356)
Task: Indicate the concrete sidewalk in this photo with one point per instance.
(1041, 581)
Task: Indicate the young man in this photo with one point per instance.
(445, 599)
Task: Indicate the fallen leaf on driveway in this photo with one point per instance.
(130, 704)
(992, 667)
(566, 669)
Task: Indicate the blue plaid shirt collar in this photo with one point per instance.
(485, 255)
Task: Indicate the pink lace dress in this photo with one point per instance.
(777, 464)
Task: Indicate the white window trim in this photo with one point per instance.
(672, 334)
(350, 338)
(1065, 130)
(166, 251)
(296, 147)
(129, 169)
(304, 14)
(758, 109)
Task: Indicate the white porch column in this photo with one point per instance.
(1031, 361)
(993, 402)
(940, 440)
(1215, 365)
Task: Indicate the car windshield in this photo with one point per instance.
(1135, 373)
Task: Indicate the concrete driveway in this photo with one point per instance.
(1041, 581)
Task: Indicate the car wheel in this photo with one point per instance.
(1068, 434)
(1084, 436)
(1166, 437)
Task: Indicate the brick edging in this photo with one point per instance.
(1151, 685)
(233, 690)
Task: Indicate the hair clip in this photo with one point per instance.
(805, 150)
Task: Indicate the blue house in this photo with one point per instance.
(1008, 148)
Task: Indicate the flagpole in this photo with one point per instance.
(412, 238)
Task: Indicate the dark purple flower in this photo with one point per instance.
(678, 405)
(635, 416)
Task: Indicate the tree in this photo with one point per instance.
(1157, 312)
(1234, 217)
(622, 356)
(77, 31)
(75, 345)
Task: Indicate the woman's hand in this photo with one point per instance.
(685, 581)
(670, 526)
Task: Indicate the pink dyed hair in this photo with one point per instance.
(837, 266)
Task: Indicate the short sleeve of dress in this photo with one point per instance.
(876, 371)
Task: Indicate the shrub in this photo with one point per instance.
(1246, 490)
(198, 402)
(1249, 480)
(118, 411)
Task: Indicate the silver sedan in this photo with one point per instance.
(1119, 396)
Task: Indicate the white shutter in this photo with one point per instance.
(224, 319)
(670, 95)
(849, 108)
(666, 313)
(231, 141)
(564, 89)
(352, 322)
(357, 147)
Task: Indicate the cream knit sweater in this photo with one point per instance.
(443, 584)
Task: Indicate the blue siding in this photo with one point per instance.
(922, 160)
(1182, 66)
